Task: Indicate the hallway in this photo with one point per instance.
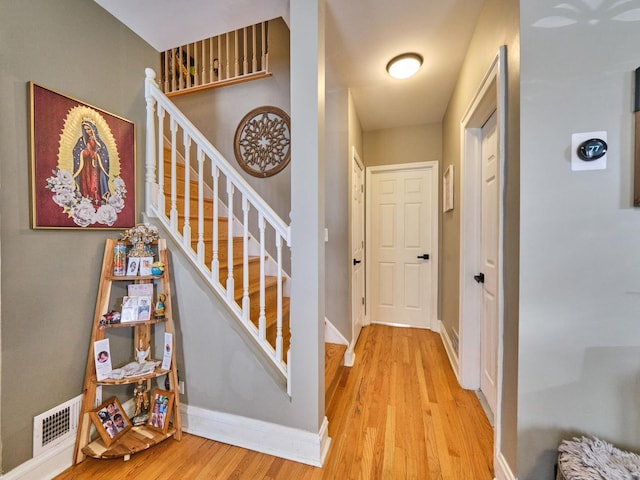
(397, 414)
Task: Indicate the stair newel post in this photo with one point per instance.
(200, 247)
(186, 229)
(150, 160)
(230, 282)
(279, 298)
(245, 259)
(262, 319)
(215, 261)
(173, 213)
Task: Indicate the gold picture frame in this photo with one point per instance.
(82, 169)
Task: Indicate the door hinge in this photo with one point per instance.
(363, 300)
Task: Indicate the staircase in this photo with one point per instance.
(237, 259)
(225, 229)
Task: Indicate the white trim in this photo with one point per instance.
(435, 215)
(355, 158)
(490, 96)
(284, 442)
(48, 465)
(448, 347)
(333, 335)
(502, 470)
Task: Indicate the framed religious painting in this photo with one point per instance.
(82, 167)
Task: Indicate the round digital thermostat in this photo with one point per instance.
(592, 149)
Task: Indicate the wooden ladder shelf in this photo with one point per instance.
(141, 437)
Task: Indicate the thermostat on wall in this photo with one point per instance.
(589, 151)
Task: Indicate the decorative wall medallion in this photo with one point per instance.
(262, 142)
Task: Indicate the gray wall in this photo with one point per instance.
(498, 25)
(50, 278)
(343, 133)
(414, 143)
(579, 284)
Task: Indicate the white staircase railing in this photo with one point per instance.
(254, 221)
(232, 57)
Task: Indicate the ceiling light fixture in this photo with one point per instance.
(405, 65)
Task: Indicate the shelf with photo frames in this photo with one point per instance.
(129, 436)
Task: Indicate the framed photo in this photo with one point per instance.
(161, 406)
(110, 420)
(132, 266)
(82, 164)
(447, 189)
(145, 265)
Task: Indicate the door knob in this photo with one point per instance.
(424, 256)
(479, 278)
(355, 262)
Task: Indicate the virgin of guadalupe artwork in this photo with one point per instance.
(83, 164)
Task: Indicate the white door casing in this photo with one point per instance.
(489, 262)
(402, 225)
(357, 247)
(490, 96)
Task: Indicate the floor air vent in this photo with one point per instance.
(56, 425)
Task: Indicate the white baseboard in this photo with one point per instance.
(333, 335)
(501, 467)
(45, 466)
(284, 442)
(451, 353)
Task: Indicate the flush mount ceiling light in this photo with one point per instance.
(405, 65)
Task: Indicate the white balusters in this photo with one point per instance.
(215, 261)
(279, 298)
(262, 319)
(245, 259)
(186, 228)
(261, 260)
(230, 283)
(173, 213)
(200, 247)
(226, 58)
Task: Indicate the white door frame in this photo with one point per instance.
(355, 158)
(490, 96)
(433, 255)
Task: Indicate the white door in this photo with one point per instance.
(357, 247)
(488, 279)
(401, 243)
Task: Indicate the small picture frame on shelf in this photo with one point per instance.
(160, 412)
(110, 420)
(145, 265)
(132, 266)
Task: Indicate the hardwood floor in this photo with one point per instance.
(397, 414)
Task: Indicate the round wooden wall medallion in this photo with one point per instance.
(262, 143)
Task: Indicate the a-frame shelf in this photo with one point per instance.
(140, 437)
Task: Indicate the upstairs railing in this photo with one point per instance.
(203, 222)
(225, 59)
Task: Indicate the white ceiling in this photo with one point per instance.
(361, 37)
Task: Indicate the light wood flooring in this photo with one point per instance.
(397, 414)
